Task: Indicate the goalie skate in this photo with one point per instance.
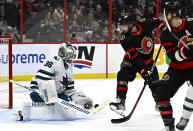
(19, 116)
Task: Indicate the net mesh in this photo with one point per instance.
(5, 73)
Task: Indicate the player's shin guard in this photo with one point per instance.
(119, 106)
(121, 90)
(155, 98)
(166, 112)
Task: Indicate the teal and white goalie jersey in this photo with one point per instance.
(59, 71)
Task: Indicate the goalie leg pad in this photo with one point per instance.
(41, 111)
(48, 88)
(35, 97)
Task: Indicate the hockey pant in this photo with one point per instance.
(127, 74)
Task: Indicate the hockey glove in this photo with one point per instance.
(144, 73)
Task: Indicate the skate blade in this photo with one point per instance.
(118, 112)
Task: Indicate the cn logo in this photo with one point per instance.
(85, 57)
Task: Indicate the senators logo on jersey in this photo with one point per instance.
(186, 40)
(146, 45)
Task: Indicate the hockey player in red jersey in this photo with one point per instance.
(180, 69)
(136, 40)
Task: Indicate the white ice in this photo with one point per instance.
(144, 118)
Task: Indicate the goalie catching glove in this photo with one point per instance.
(81, 99)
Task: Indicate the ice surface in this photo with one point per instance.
(143, 119)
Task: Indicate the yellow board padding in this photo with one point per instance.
(23, 78)
(78, 76)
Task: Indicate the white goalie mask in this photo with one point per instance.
(67, 52)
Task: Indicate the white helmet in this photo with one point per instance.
(67, 52)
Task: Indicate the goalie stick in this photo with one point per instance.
(124, 119)
(70, 104)
(170, 30)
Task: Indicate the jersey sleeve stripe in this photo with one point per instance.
(46, 72)
(42, 78)
(169, 50)
(44, 75)
(130, 50)
(34, 87)
(167, 44)
(161, 25)
(189, 100)
(131, 57)
(34, 82)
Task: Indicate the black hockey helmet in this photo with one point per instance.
(172, 6)
(67, 52)
(126, 18)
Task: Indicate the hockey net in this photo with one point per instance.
(6, 96)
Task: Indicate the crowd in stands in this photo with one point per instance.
(10, 18)
(87, 20)
(44, 20)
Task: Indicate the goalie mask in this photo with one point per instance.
(67, 52)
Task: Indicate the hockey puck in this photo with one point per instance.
(96, 105)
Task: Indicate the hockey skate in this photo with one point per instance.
(19, 116)
(118, 107)
(169, 128)
(182, 123)
(157, 108)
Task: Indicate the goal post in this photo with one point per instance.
(6, 89)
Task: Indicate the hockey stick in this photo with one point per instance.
(124, 119)
(170, 30)
(70, 104)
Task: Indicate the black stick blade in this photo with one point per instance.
(121, 120)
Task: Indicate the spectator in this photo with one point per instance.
(1, 32)
(73, 37)
(105, 35)
(11, 32)
(2, 9)
(89, 36)
(51, 28)
(99, 14)
(149, 13)
(12, 14)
